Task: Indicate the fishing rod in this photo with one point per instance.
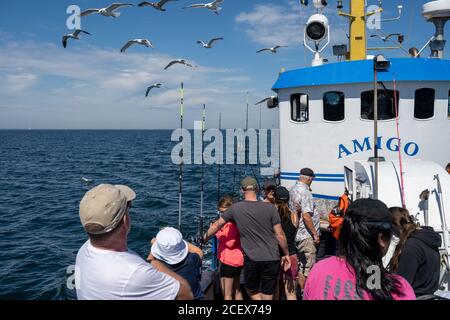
(247, 152)
(200, 231)
(215, 244)
(180, 195)
(219, 163)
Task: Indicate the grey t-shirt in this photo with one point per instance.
(255, 221)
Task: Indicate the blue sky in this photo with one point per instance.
(91, 85)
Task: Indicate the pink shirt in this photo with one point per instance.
(229, 251)
(331, 279)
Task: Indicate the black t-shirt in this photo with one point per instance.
(190, 269)
(255, 221)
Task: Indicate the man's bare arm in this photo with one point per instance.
(281, 237)
(282, 242)
(309, 223)
(215, 227)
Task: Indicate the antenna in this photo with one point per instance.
(400, 10)
(437, 12)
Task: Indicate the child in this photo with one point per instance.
(230, 255)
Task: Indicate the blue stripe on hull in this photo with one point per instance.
(325, 197)
(319, 175)
(316, 179)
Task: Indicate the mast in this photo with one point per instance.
(358, 19)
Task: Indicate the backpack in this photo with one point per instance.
(336, 216)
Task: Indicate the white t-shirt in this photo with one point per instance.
(109, 275)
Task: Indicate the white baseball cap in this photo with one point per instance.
(170, 246)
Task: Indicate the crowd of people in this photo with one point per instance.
(382, 253)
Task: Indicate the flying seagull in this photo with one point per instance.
(75, 35)
(213, 6)
(265, 100)
(153, 86)
(108, 11)
(209, 44)
(180, 61)
(143, 42)
(273, 50)
(388, 37)
(156, 5)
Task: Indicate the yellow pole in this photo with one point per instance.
(358, 39)
(358, 30)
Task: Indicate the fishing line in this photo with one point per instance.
(400, 159)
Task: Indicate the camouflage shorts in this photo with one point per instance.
(307, 253)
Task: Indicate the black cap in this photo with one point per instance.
(307, 172)
(370, 210)
(270, 184)
(282, 194)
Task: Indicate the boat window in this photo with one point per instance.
(334, 106)
(300, 107)
(424, 103)
(386, 106)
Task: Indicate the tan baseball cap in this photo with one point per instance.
(249, 183)
(103, 207)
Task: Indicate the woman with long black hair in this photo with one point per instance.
(358, 272)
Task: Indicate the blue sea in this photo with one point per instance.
(41, 187)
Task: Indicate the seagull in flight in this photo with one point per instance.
(213, 6)
(75, 35)
(108, 11)
(265, 100)
(209, 44)
(143, 42)
(156, 5)
(273, 50)
(388, 37)
(153, 86)
(180, 61)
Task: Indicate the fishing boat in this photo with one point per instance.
(368, 125)
(375, 126)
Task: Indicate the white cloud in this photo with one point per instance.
(17, 83)
(50, 87)
(283, 24)
(272, 24)
(237, 79)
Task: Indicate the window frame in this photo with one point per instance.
(380, 120)
(291, 108)
(448, 107)
(323, 108)
(434, 106)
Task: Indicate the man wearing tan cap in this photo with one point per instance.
(107, 269)
(262, 240)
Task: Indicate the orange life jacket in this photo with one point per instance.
(336, 216)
